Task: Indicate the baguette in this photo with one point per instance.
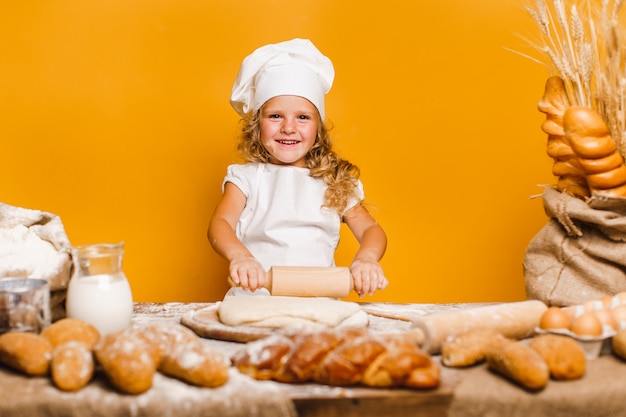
(516, 320)
(468, 348)
(520, 363)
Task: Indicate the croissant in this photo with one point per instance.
(570, 174)
(344, 357)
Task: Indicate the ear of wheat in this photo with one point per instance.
(582, 42)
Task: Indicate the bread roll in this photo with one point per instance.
(72, 366)
(468, 348)
(71, 330)
(563, 355)
(27, 353)
(197, 364)
(126, 361)
(520, 363)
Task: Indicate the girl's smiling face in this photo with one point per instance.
(288, 129)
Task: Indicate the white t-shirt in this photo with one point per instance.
(283, 222)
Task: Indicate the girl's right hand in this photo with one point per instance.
(248, 273)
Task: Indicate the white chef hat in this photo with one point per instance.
(294, 67)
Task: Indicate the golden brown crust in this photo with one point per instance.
(261, 358)
(197, 364)
(597, 153)
(569, 168)
(300, 362)
(340, 358)
(468, 348)
(570, 176)
(71, 330)
(27, 353)
(520, 363)
(162, 338)
(346, 364)
(72, 366)
(619, 344)
(126, 362)
(396, 366)
(599, 165)
(563, 355)
(425, 377)
(609, 179)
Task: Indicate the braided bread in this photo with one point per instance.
(596, 152)
(343, 357)
(571, 177)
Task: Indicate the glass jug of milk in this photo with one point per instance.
(99, 292)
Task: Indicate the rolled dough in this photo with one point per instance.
(283, 311)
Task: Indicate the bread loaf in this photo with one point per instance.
(468, 348)
(520, 363)
(343, 357)
(126, 361)
(563, 355)
(595, 151)
(71, 330)
(161, 339)
(390, 369)
(571, 178)
(72, 366)
(195, 363)
(619, 344)
(27, 353)
(130, 358)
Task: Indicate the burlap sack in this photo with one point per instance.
(33, 244)
(580, 254)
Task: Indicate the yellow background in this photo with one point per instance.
(114, 115)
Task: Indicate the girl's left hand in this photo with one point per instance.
(367, 276)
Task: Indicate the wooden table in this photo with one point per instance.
(313, 400)
(463, 392)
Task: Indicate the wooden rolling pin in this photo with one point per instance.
(308, 281)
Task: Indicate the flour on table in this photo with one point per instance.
(283, 311)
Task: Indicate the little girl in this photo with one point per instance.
(285, 205)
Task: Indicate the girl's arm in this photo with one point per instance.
(367, 273)
(244, 269)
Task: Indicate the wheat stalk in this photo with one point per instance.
(588, 54)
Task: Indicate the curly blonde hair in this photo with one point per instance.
(339, 174)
